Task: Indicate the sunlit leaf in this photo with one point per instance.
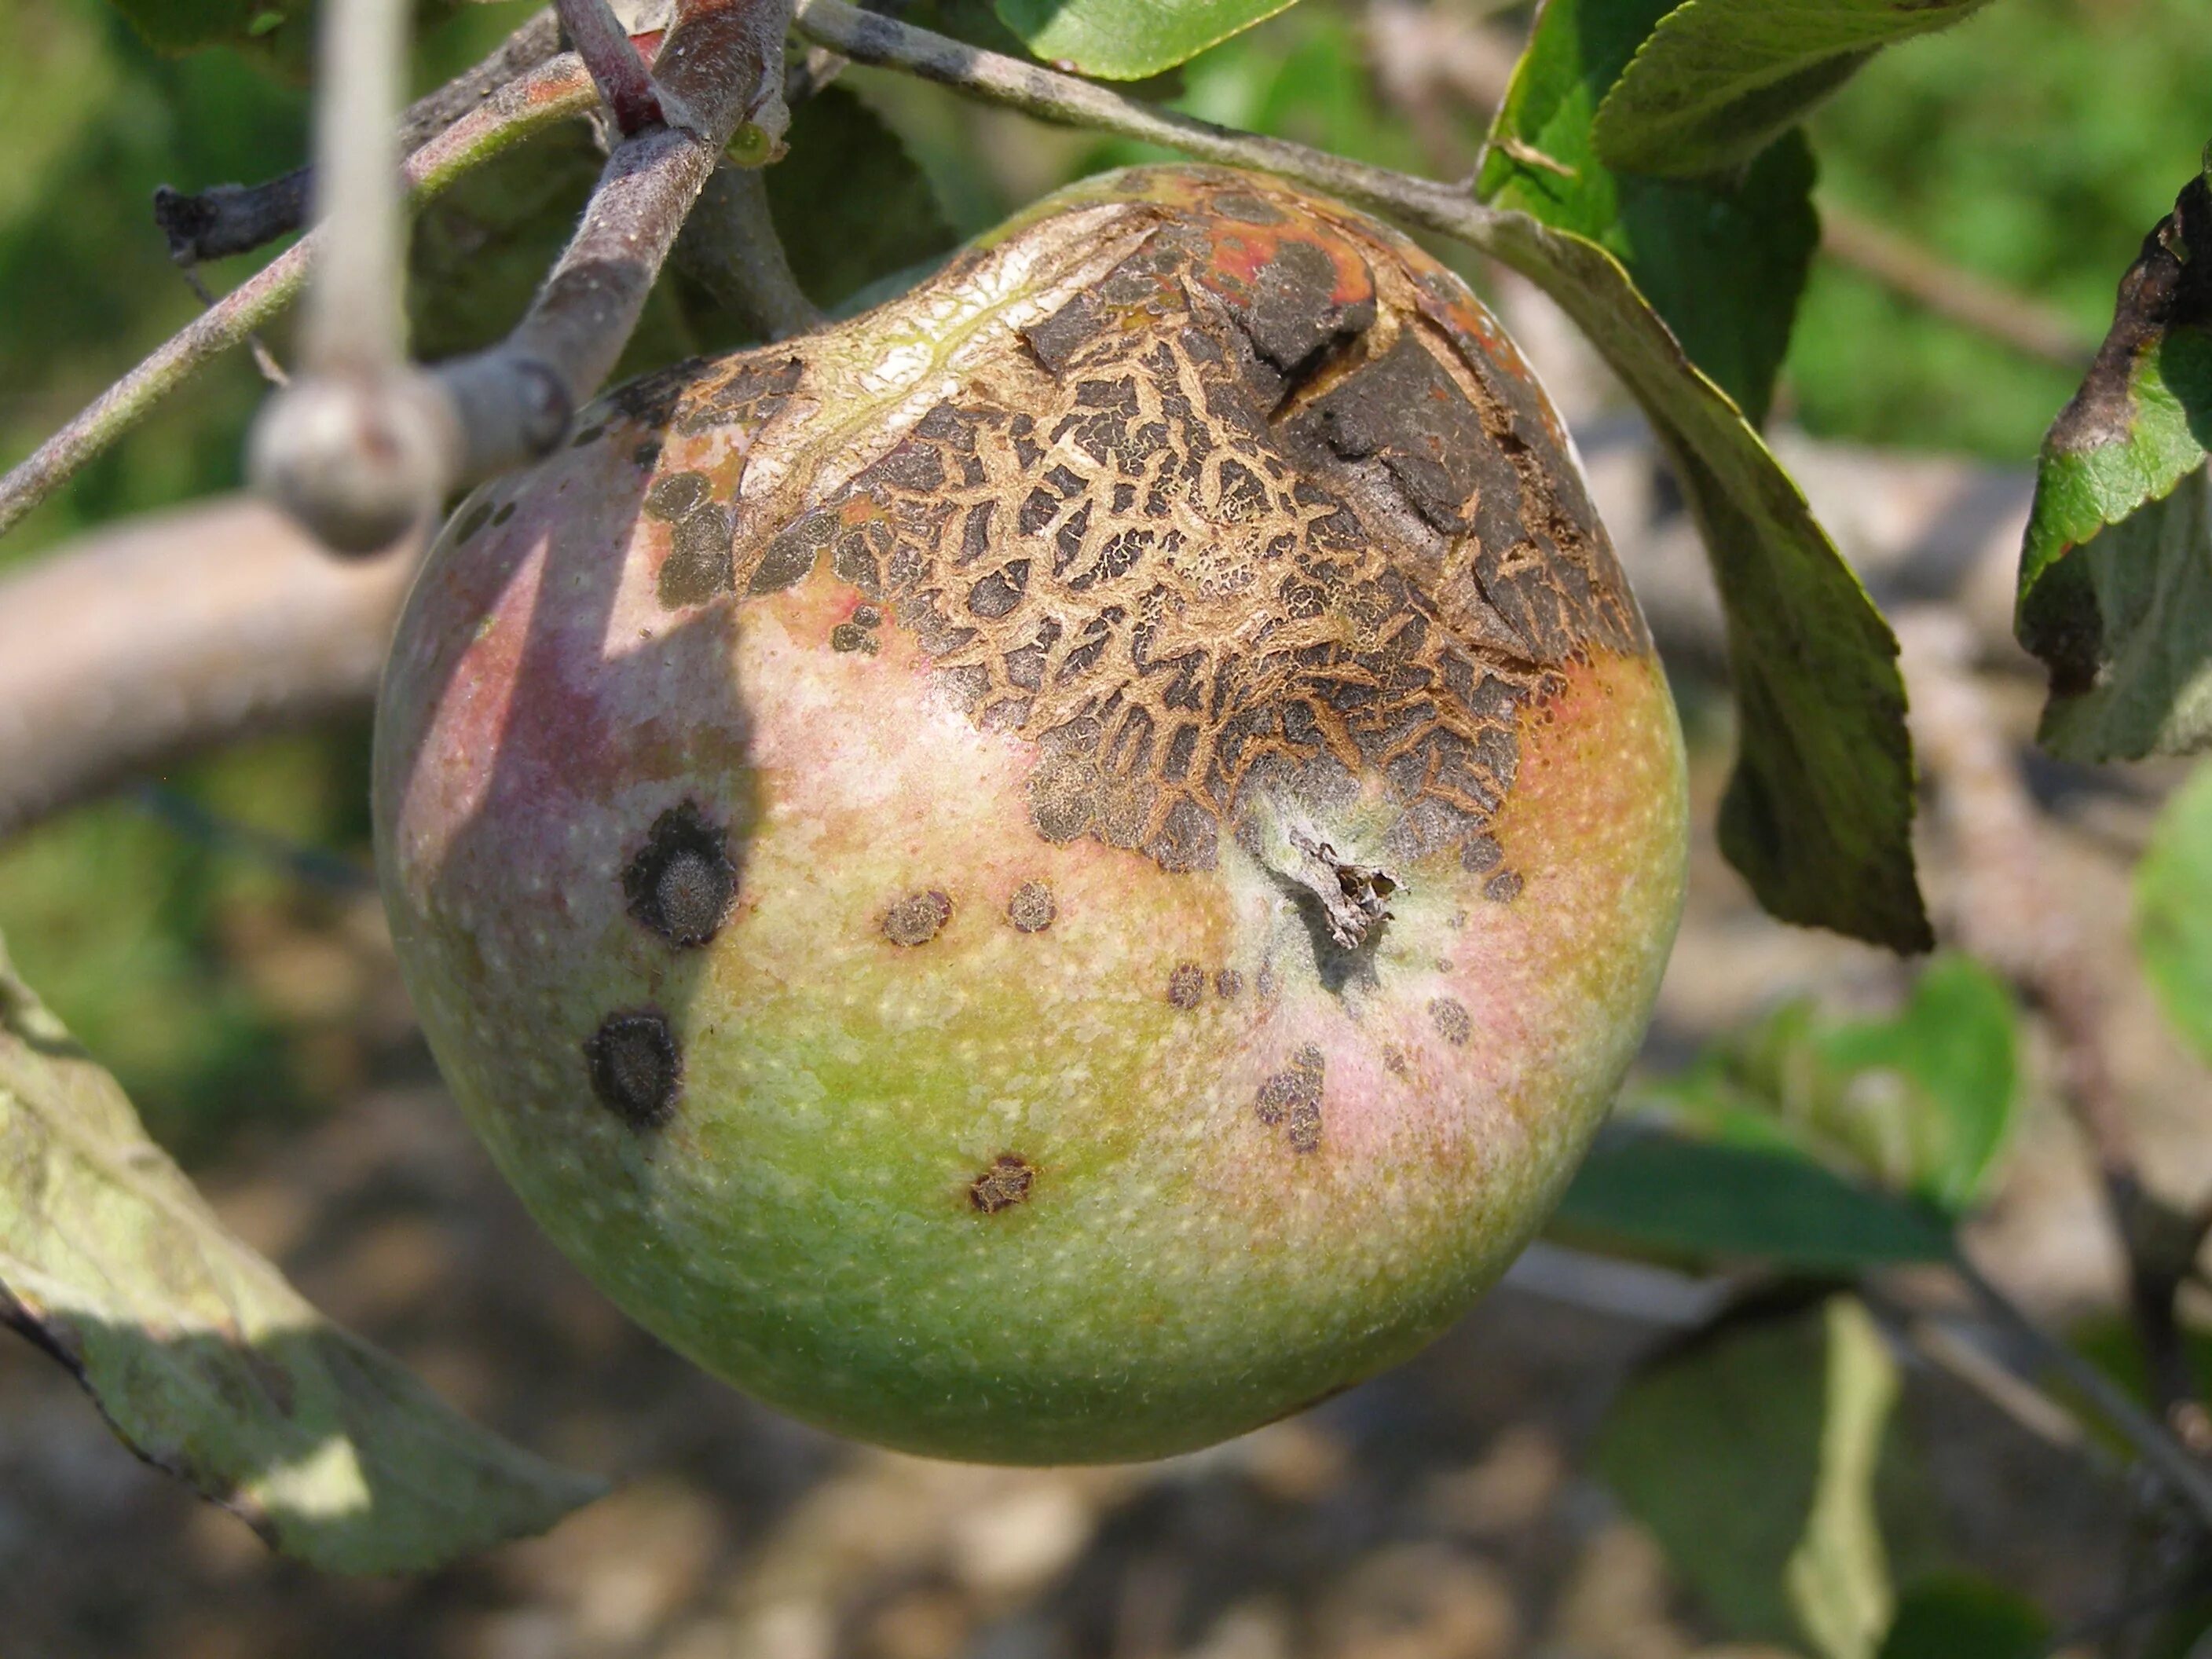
(1129, 39)
(1700, 1201)
(2115, 575)
(1819, 813)
(1752, 1455)
(2173, 910)
(1719, 80)
(205, 1362)
(1724, 261)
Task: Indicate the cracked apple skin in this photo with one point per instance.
(1061, 869)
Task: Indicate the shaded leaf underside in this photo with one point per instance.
(205, 1362)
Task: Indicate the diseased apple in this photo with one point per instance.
(1063, 868)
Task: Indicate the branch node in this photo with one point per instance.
(358, 460)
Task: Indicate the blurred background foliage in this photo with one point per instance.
(2004, 147)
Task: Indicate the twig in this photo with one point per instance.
(2010, 913)
(721, 64)
(729, 246)
(2182, 1473)
(314, 867)
(236, 622)
(1958, 295)
(620, 74)
(238, 218)
(554, 92)
(352, 445)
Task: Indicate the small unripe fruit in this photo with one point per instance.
(1063, 868)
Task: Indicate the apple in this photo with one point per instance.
(1060, 869)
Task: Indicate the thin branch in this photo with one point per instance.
(719, 66)
(353, 445)
(554, 92)
(238, 218)
(2182, 1473)
(1956, 295)
(625, 86)
(1049, 96)
(729, 245)
(347, 465)
(236, 623)
(2010, 913)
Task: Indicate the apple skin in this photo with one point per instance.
(891, 834)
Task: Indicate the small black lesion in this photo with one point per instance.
(1006, 1183)
(1503, 887)
(636, 1068)
(1291, 1099)
(917, 918)
(1186, 986)
(1032, 908)
(682, 884)
(1453, 1022)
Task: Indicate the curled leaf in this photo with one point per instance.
(2116, 573)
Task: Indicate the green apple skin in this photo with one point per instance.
(1064, 868)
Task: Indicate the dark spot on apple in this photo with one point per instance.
(700, 565)
(1394, 1059)
(851, 636)
(636, 1069)
(917, 918)
(1479, 852)
(677, 496)
(1186, 985)
(478, 516)
(1007, 1181)
(1292, 1098)
(1032, 908)
(1503, 887)
(1228, 983)
(683, 883)
(1452, 1020)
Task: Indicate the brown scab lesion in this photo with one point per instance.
(1453, 1022)
(1186, 986)
(1006, 1183)
(1229, 985)
(1032, 908)
(636, 1067)
(683, 883)
(1503, 887)
(1291, 1099)
(857, 631)
(917, 918)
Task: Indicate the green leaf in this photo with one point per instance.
(1129, 39)
(2173, 910)
(1956, 1615)
(205, 1362)
(850, 204)
(1706, 1202)
(2116, 575)
(1720, 80)
(1724, 261)
(1752, 1455)
(1920, 1103)
(1819, 814)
